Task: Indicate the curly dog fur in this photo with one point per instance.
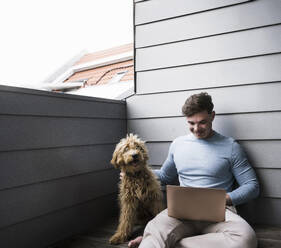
(140, 196)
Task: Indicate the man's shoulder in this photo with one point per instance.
(179, 140)
(224, 139)
(182, 138)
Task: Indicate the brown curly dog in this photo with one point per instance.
(140, 196)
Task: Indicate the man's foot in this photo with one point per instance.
(135, 242)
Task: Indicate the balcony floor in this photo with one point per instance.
(96, 238)
(268, 237)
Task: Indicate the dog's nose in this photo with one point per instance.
(135, 156)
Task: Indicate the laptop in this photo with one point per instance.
(201, 204)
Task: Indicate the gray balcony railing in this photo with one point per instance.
(55, 175)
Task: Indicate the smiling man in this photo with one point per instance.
(204, 158)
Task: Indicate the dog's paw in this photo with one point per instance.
(117, 239)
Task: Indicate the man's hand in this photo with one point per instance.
(121, 175)
(228, 200)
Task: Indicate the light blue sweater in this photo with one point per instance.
(215, 162)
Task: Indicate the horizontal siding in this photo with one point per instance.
(32, 166)
(265, 211)
(252, 43)
(217, 74)
(218, 21)
(270, 181)
(148, 11)
(28, 132)
(261, 153)
(264, 97)
(55, 151)
(29, 91)
(39, 103)
(59, 225)
(238, 126)
(157, 152)
(42, 198)
(231, 51)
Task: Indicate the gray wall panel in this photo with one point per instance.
(270, 182)
(217, 74)
(261, 154)
(23, 203)
(48, 229)
(253, 42)
(26, 167)
(54, 154)
(27, 132)
(157, 152)
(264, 211)
(264, 97)
(148, 11)
(238, 126)
(35, 102)
(232, 52)
(250, 126)
(264, 12)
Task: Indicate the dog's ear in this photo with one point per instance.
(115, 161)
(132, 136)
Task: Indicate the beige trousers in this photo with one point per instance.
(164, 231)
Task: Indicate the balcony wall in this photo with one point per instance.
(55, 179)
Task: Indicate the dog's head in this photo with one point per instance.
(130, 154)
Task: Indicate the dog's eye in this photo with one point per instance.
(126, 149)
(139, 147)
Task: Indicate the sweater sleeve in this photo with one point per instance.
(245, 176)
(168, 172)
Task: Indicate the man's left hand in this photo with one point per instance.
(228, 200)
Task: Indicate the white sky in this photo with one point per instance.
(38, 37)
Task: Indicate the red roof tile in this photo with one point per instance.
(103, 74)
(105, 53)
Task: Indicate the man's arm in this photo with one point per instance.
(168, 172)
(245, 177)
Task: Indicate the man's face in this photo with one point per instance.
(200, 124)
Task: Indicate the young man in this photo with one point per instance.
(204, 158)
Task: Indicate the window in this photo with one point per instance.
(117, 77)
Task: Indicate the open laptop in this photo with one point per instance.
(201, 204)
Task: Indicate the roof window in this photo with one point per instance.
(117, 77)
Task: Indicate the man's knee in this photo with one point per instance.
(168, 228)
(161, 222)
(158, 231)
(242, 235)
(248, 238)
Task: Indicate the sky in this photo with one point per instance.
(38, 37)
